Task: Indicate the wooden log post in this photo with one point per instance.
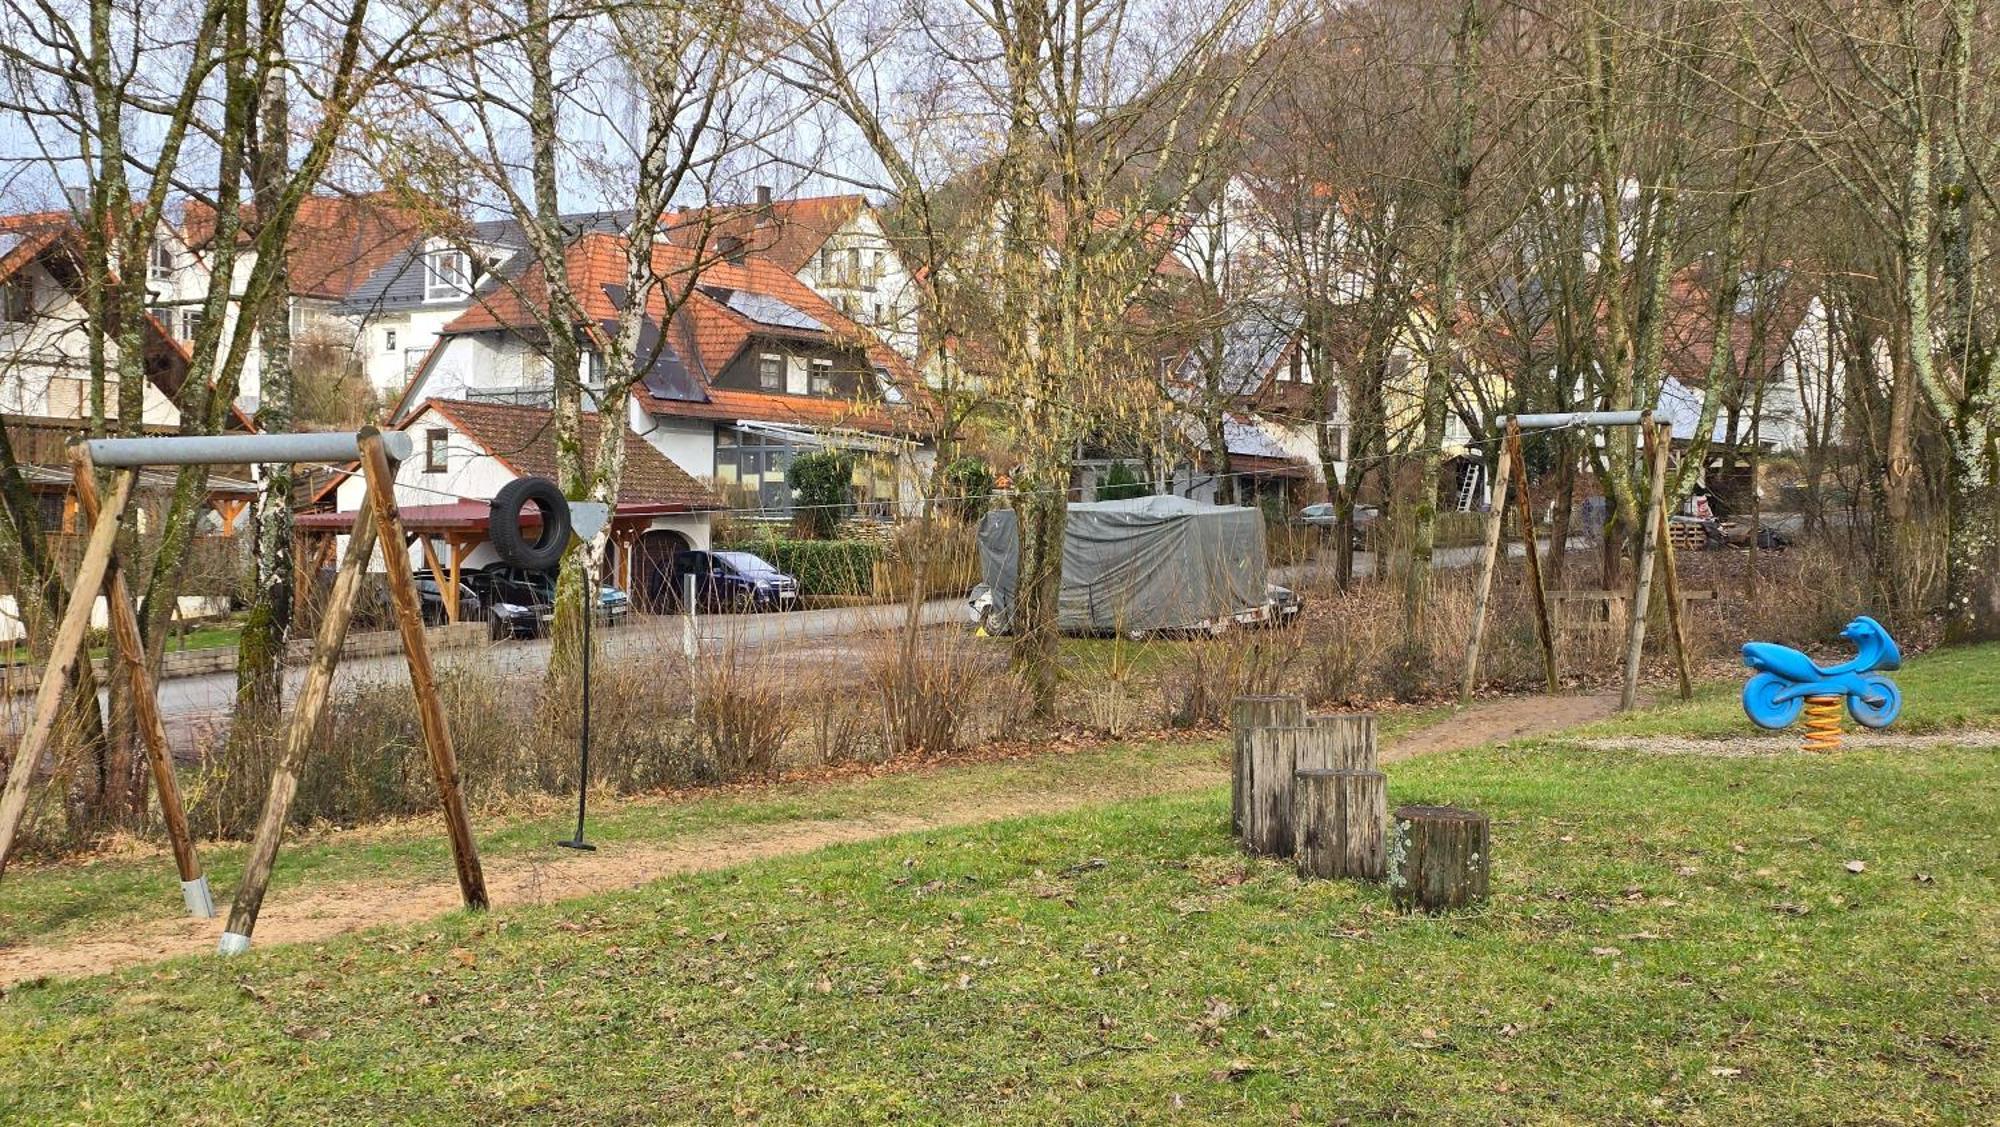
(1343, 741)
(195, 893)
(1246, 714)
(1267, 808)
(1438, 858)
(423, 679)
(308, 712)
(1489, 558)
(63, 655)
(1337, 823)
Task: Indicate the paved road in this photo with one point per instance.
(1364, 562)
(187, 702)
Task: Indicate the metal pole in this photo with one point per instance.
(1573, 419)
(227, 449)
(590, 599)
(690, 637)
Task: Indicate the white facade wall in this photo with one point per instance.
(45, 360)
(882, 297)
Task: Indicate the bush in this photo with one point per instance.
(1121, 484)
(968, 489)
(822, 491)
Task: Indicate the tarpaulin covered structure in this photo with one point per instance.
(1150, 563)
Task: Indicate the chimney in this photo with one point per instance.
(764, 196)
(731, 249)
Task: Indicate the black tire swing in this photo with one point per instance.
(504, 531)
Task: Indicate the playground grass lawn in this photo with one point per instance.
(1672, 938)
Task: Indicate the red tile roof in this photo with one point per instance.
(523, 440)
(707, 332)
(787, 231)
(335, 243)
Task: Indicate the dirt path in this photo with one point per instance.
(326, 912)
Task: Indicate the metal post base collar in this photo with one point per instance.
(232, 944)
(195, 894)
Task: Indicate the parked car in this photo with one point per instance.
(430, 594)
(1321, 515)
(733, 581)
(521, 603)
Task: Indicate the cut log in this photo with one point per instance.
(1337, 818)
(1245, 715)
(1438, 858)
(1267, 807)
(1346, 742)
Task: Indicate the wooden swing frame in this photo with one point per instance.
(1656, 550)
(377, 521)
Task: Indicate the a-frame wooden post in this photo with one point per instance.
(63, 654)
(131, 652)
(423, 679)
(1534, 558)
(308, 713)
(1642, 578)
(1670, 571)
(1489, 557)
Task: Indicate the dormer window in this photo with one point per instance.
(160, 263)
(447, 274)
(822, 377)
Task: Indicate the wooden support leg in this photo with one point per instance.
(1534, 558)
(445, 589)
(1489, 557)
(307, 713)
(1670, 575)
(146, 705)
(1642, 578)
(423, 679)
(63, 654)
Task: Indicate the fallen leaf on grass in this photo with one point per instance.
(1236, 1073)
(1606, 952)
(1921, 878)
(465, 957)
(1857, 866)
(1725, 1073)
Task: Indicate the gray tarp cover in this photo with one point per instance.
(1151, 563)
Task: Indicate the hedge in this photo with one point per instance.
(822, 567)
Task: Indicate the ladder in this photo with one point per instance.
(1468, 486)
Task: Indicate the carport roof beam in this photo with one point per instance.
(238, 449)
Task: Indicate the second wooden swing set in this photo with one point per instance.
(1655, 549)
(376, 522)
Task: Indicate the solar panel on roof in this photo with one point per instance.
(766, 310)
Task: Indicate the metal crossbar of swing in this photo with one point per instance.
(240, 449)
(1559, 420)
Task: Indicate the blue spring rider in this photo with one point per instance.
(1785, 678)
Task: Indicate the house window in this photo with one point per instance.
(1295, 366)
(447, 275)
(854, 266)
(822, 377)
(437, 442)
(875, 314)
(388, 340)
(771, 372)
(160, 263)
(190, 323)
(17, 299)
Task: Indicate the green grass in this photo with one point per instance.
(40, 903)
(1943, 690)
(1672, 939)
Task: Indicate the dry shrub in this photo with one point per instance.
(923, 683)
(641, 737)
(1217, 670)
(741, 716)
(843, 730)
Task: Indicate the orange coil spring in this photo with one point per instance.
(1823, 722)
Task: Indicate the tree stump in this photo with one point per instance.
(1267, 807)
(1247, 714)
(1337, 818)
(1347, 742)
(1438, 858)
